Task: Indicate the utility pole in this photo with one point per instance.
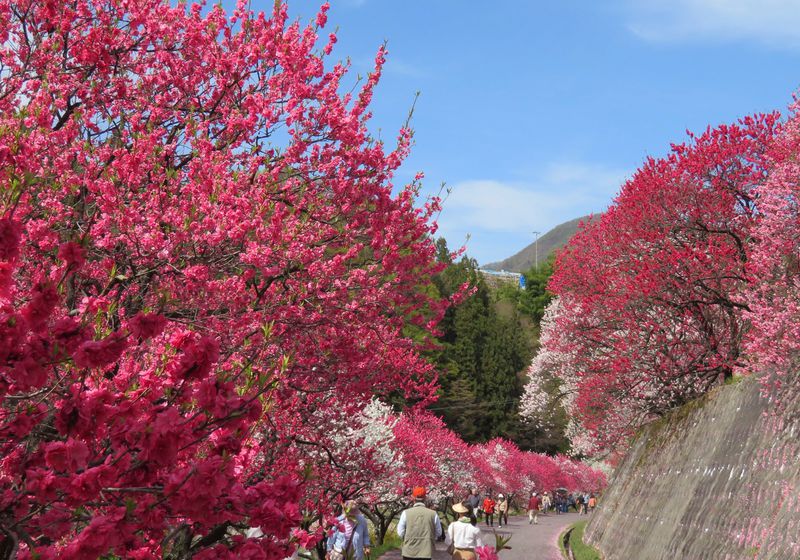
(536, 248)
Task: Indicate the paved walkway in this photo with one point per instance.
(528, 542)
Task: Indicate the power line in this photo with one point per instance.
(473, 405)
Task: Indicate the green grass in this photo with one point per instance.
(735, 380)
(391, 542)
(581, 550)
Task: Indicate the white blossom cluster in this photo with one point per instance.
(550, 364)
(553, 382)
(581, 443)
(374, 429)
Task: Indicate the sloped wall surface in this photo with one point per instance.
(718, 479)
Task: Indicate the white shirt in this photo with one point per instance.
(463, 535)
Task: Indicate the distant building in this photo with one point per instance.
(496, 277)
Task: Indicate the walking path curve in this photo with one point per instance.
(528, 542)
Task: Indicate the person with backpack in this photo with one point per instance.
(473, 502)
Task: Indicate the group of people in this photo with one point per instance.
(582, 502)
(420, 526)
(488, 506)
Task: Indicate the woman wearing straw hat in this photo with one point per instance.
(462, 537)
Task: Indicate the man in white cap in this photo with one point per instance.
(502, 509)
(533, 509)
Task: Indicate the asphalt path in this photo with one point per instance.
(528, 542)
(536, 542)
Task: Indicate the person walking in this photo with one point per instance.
(350, 538)
(488, 509)
(592, 502)
(547, 503)
(533, 509)
(473, 502)
(502, 509)
(419, 527)
(462, 536)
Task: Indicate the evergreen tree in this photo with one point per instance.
(481, 355)
(534, 299)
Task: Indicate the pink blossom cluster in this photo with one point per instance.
(689, 278)
(773, 294)
(377, 456)
(204, 268)
(436, 457)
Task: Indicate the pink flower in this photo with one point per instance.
(486, 553)
(162, 441)
(322, 16)
(99, 353)
(56, 522)
(6, 272)
(87, 484)
(73, 254)
(28, 373)
(45, 297)
(199, 355)
(306, 539)
(69, 333)
(22, 425)
(66, 456)
(42, 483)
(103, 533)
(251, 550)
(146, 325)
(9, 239)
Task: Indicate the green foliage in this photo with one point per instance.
(482, 351)
(548, 439)
(535, 298)
(485, 347)
(390, 542)
(581, 550)
(501, 541)
(529, 305)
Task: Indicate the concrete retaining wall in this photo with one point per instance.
(718, 479)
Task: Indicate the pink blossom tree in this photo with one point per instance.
(653, 293)
(774, 269)
(199, 250)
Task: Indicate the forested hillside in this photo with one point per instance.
(483, 352)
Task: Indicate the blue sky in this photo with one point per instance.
(535, 112)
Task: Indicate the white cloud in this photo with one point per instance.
(562, 192)
(772, 22)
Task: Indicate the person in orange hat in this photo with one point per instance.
(419, 527)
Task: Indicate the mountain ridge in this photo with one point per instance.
(548, 243)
